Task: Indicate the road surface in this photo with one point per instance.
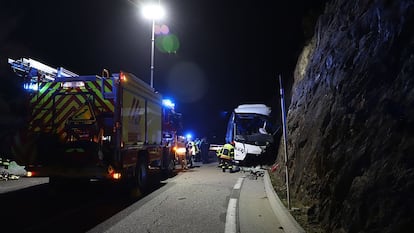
(200, 199)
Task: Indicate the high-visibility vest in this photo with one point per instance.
(226, 152)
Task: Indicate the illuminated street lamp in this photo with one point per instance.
(153, 12)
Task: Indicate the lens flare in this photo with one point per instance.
(187, 81)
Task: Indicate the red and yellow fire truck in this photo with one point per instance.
(108, 127)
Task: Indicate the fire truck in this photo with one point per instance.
(111, 127)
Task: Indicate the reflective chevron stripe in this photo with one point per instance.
(52, 105)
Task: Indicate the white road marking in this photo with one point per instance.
(238, 183)
(231, 216)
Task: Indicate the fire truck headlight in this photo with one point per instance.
(180, 150)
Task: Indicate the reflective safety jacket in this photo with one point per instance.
(226, 152)
(193, 148)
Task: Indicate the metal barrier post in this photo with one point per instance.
(282, 104)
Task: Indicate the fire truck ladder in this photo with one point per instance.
(36, 71)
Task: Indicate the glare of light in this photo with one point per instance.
(189, 136)
(164, 29)
(116, 176)
(73, 84)
(153, 11)
(31, 86)
(29, 174)
(161, 29)
(180, 150)
(167, 43)
(168, 103)
(123, 77)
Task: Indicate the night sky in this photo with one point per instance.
(231, 52)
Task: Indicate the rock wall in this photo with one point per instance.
(351, 118)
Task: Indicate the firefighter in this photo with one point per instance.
(190, 152)
(193, 149)
(218, 153)
(197, 149)
(226, 157)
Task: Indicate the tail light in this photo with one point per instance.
(122, 77)
(116, 175)
(29, 174)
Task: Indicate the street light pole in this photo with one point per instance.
(152, 52)
(153, 12)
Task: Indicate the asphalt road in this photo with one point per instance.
(201, 199)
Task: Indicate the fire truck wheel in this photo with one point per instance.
(142, 175)
(171, 167)
(168, 163)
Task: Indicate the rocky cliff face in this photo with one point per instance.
(351, 118)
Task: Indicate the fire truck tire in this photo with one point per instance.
(142, 174)
(168, 163)
(170, 167)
